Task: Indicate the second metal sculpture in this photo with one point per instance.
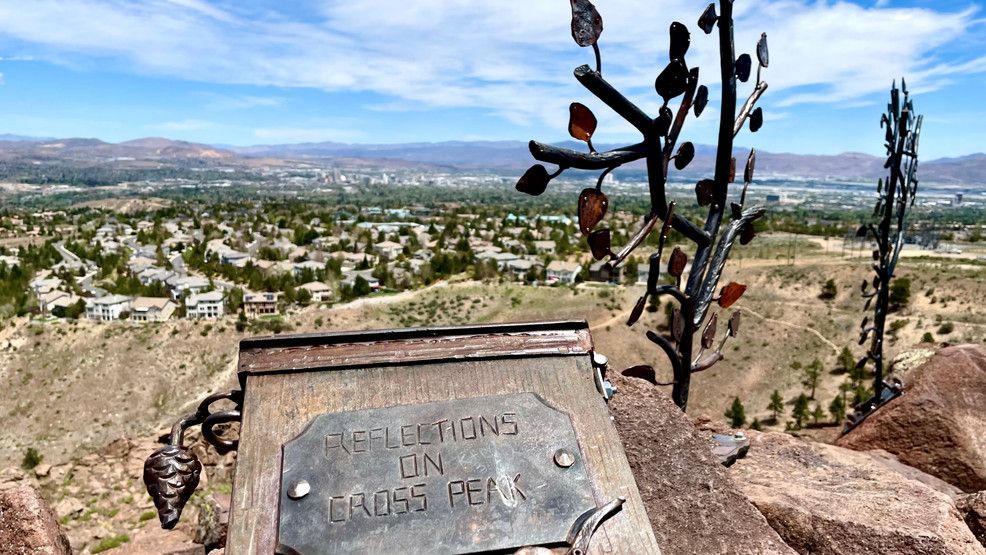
(714, 238)
(895, 197)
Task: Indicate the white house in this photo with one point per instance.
(108, 308)
(152, 309)
(205, 306)
(320, 292)
(563, 272)
(256, 304)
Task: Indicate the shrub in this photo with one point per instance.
(829, 291)
(927, 337)
(31, 459)
(946, 328)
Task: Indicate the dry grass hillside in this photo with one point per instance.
(71, 387)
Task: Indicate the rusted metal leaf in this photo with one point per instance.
(599, 244)
(664, 120)
(763, 55)
(705, 192)
(677, 325)
(756, 120)
(673, 81)
(708, 19)
(677, 262)
(680, 40)
(642, 372)
(747, 234)
(638, 310)
(709, 335)
(581, 122)
(701, 100)
(734, 324)
(534, 181)
(686, 152)
(751, 162)
(587, 24)
(730, 294)
(592, 209)
(743, 66)
(732, 169)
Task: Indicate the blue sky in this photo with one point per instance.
(262, 71)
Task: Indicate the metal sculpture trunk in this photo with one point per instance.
(713, 242)
(895, 196)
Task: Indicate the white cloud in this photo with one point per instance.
(513, 59)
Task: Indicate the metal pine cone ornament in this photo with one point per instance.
(171, 475)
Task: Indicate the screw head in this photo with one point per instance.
(299, 489)
(564, 459)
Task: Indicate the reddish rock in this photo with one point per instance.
(939, 424)
(824, 499)
(27, 525)
(973, 508)
(152, 540)
(693, 505)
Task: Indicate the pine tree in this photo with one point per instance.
(776, 405)
(736, 414)
(813, 375)
(800, 412)
(846, 361)
(837, 408)
(817, 414)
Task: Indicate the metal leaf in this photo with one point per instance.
(581, 122)
(709, 335)
(701, 100)
(677, 262)
(747, 234)
(862, 362)
(708, 19)
(736, 210)
(732, 169)
(756, 120)
(861, 232)
(680, 40)
(654, 272)
(865, 285)
(751, 163)
(677, 325)
(592, 209)
(664, 120)
(587, 24)
(705, 192)
(686, 152)
(730, 294)
(638, 310)
(673, 81)
(534, 181)
(599, 244)
(865, 322)
(763, 55)
(642, 372)
(734, 324)
(742, 67)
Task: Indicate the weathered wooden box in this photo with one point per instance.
(434, 440)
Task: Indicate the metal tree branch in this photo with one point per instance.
(660, 139)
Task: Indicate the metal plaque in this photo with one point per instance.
(461, 476)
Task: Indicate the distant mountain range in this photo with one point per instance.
(506, 156)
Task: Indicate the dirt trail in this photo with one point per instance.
(816, 333)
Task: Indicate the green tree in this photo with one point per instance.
(812, 375)
(361, 287)
(817, 414)
(776, 405)
(900, 293)
(829, 291)
(800, 412)
(736, 414)
(837, 408)
(846, 360)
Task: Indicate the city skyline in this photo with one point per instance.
(381, 71)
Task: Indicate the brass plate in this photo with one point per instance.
(461, 476)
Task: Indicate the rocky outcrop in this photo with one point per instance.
(693, 505)
(824, 499)
(939, 424)
(973, 508)
(27, 525)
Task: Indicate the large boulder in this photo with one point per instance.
(27, 525)
(824, 499)
(693, 505)
(939, 424)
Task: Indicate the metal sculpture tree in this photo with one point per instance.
(713, 239)
(895, 196)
